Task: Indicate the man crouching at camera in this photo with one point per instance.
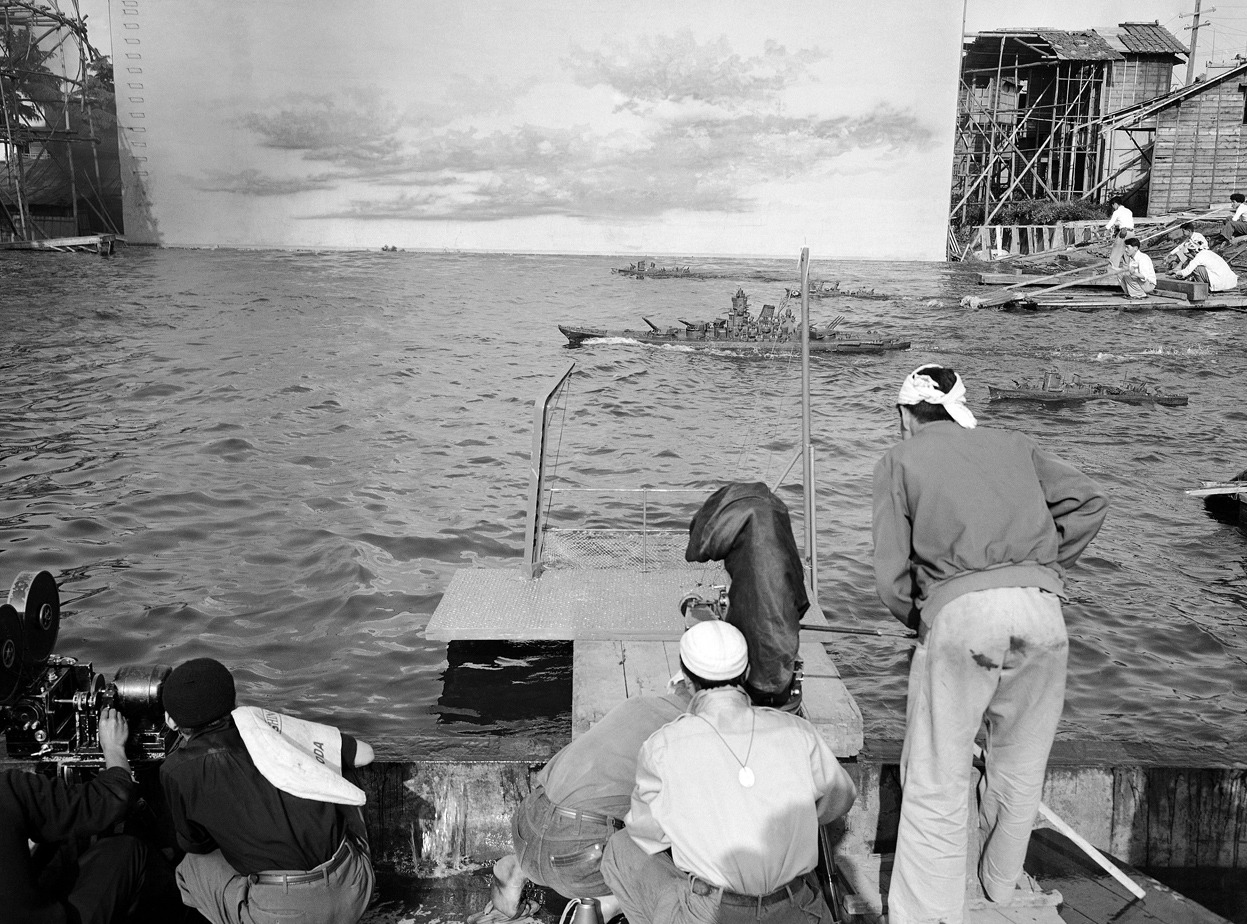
(270, 828)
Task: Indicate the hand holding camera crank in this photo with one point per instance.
(114, 730)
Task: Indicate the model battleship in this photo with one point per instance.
(1056, 389)
(772, 331)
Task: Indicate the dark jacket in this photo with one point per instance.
(219, 800)
(48, 811)
(746, 527)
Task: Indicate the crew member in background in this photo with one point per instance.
(1237, 223)
(1208, 267)
(255, 851)
(972, 528)
(1120, 225)
(1192, 244)
(579, 799)
(1138, 275)
(102, 884)
(723, 827)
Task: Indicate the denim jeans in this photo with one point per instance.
(561, 853)
(995, 658)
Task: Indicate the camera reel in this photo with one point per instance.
(50, 705)
(29, 623)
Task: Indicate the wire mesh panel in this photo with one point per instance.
(618, 549)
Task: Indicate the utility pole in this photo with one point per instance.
(1194, 27)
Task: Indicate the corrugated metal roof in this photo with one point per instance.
(1144, 38)
(1087, 45)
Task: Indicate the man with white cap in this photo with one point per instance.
(972, 529)
(729, 796)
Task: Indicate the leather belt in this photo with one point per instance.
(595, 818)
(727, 897)
(312, 875)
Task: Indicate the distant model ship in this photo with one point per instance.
(769, 332)
(832, 290)
(1056, 389)
(648, 269)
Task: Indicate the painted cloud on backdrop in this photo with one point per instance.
(644, 127)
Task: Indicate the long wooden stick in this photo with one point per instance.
(1090, 267)
(1084, 845)
(993, 301)
(1229, 487)
(848, 630)
(1101, 861)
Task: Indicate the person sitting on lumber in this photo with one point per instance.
(578, 800)
(1237, 223)
(1192, 244)
(1138, 275)
(1209, 268)
(1120, 225)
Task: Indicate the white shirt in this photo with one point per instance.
(1140, 265)
(689, 795)
(1122, 217)
(1191, 246)
(1220, 277)
(1240, 212)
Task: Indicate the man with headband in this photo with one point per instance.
(973, 527)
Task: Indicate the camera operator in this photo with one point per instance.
(104, 884)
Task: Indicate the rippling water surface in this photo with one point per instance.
(280, 459)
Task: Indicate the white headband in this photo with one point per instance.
(918, 388)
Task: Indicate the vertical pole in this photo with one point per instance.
(807, 446)
(1190, 61)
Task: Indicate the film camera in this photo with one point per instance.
(50, 705)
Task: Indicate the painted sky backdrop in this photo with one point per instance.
(699, 128)
(695, 128)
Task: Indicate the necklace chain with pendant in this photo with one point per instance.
(745, 776)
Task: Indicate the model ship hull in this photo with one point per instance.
(1085, 393)
(721, 340)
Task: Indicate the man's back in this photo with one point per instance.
(735, 791)
(219, 799)
(597, 771)
(953, 501)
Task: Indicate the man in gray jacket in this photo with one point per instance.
(973, 528)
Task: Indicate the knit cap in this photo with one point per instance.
(714, 650)
(198, 691)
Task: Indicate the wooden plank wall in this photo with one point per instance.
(1201, 151)
(1181, 817)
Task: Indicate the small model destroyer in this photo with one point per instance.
(648, 269)
(1055, 389)
(769, 332)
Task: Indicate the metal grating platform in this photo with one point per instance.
(497, 603)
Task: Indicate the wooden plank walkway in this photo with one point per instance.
(605, 673)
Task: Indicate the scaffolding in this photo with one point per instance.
(1027, 120)
(59, 175)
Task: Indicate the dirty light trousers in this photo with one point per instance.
(993, 658)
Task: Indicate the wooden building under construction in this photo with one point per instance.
(1031, 108)
(1199, 155)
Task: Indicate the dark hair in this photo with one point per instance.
(944, 379)
(1132, 240)
(703, 684)
(1116, 199)
(1238, 197)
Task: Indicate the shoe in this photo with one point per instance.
(491, 915)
